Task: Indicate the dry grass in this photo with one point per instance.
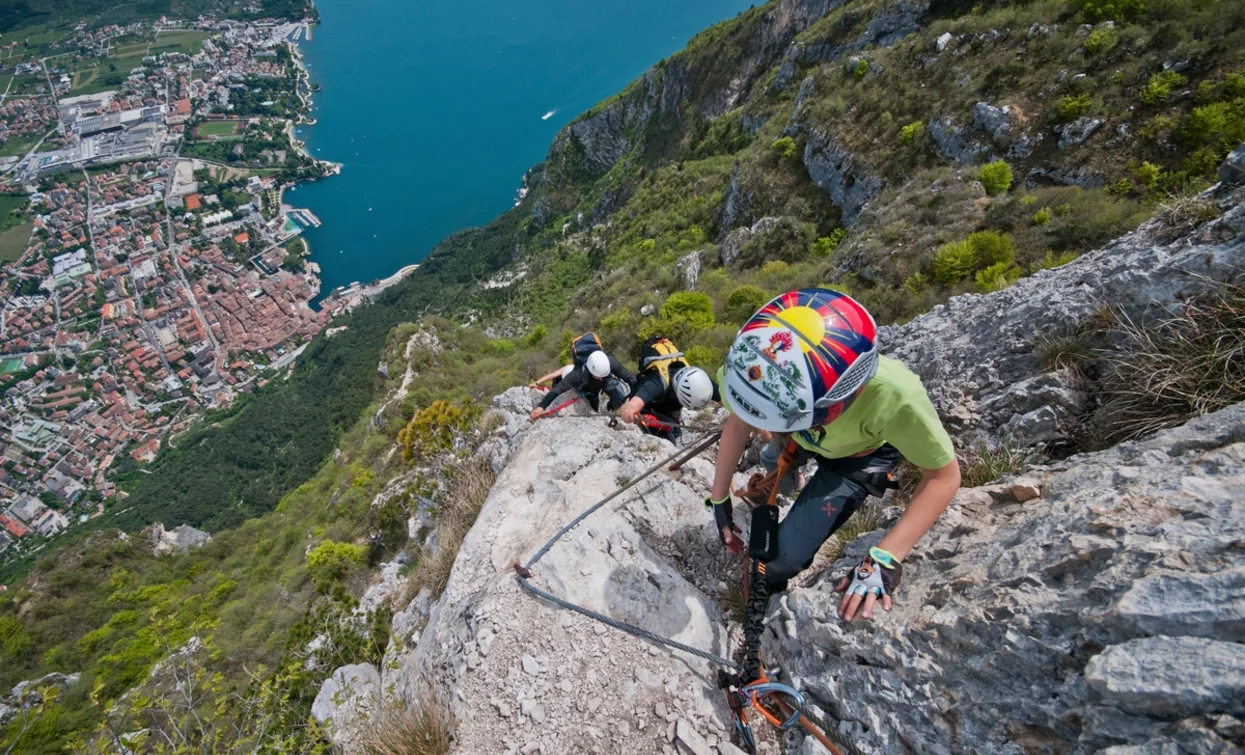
(1180, 216)
(985, 465)
(1161, 372)
(422, 727)
(458, 511)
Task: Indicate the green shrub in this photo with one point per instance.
(330, 560)
(997, 277)
(1051, 261)
(1160, 86)
(502, 347)
(704, 357)
(1110, 10)
(954, 261)
(692, 307)
(537, 335)
(1073, 106)
(991, 247)
(774, 267)
(960, 259)
(909, 133)
(1042, 216)
(916, 283)
(1147, 175)
(1100, 40)
(743, 302)
(825, 245)
(1220, 124)
(862, 68)
(996, 177)
(784, 148)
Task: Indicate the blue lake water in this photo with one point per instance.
(434, 109)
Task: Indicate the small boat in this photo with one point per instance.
(369, 209)
(548, 115)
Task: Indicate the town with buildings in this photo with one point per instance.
(150, 270)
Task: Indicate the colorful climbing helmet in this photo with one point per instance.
(800, 360)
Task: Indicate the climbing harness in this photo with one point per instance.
(744, 685)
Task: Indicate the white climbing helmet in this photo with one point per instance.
(693, 387)
(598, 364)
(568, 369)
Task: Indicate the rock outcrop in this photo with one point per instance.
(849, 183)
(177, 540)
(977, 354)
(525, 674)
(1105, 614)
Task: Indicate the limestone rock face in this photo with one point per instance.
(849, 184)
(177, 540)
(978, 356)
(345, 702)
(1060, 623)
(523, 672)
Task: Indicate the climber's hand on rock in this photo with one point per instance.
(536, 414)
(725, 521)
(732, 538)
(877, 576)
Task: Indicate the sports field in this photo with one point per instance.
(188, 42)
(13, 242)
(217, 129)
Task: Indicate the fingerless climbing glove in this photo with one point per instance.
(722, 514)
(878, 574)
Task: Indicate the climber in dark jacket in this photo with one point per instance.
(666, 386)
(599, 372)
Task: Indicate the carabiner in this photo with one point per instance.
(767, 688)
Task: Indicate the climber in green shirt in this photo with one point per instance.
(805, 368)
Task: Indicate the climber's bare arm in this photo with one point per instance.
(735, 436)
(550, 376)
(933, 494)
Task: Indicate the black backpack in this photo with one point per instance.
(583, 346)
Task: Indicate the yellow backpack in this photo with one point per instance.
(660, 354)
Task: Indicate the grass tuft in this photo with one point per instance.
(1162, 372)
(455, 517)
(986, 465)
(420, 727)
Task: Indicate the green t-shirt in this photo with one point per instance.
(894, 408)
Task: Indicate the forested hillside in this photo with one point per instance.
(904, 151)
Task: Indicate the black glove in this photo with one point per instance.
(878, 574)
(722, 514)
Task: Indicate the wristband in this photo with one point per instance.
(883, 558)
(710, 503)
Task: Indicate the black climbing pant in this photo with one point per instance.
(823, 506)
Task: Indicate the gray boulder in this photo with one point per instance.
(1232, 171)
(1170, 677)
(346, 702)
(995, 121)
(688, 269)
(1077, 132)
(951, 143)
